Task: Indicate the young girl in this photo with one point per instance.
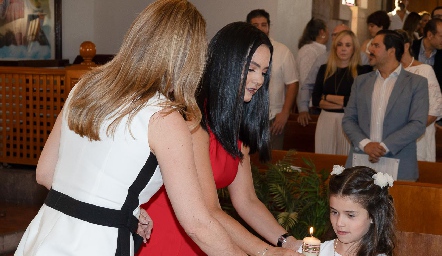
(361, 212)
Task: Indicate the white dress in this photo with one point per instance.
(98, 173)
(426, 144)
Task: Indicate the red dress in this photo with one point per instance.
(168, 237)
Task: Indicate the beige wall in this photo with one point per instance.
(105, 22)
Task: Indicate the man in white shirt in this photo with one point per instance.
(387, 110)
(399, 14)
(283, 86)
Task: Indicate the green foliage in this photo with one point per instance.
(297, 197)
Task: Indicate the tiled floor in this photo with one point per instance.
(13, 221)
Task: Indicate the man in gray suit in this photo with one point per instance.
(387, 110)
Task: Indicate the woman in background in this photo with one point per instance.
(412, 25)
(425, 17)
(120, 135)
(233, 98)
(426, 144)
(311, 45)
(332, 90)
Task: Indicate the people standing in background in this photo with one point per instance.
(233, 98)
(426, 144)
(284, 82)
(376, 21)
(311, 45)
(428, 49)
(120, 135)
(399, 14)
(387, 110)
(425, 17)
(412, 25)
(332, 90)
(362, 213)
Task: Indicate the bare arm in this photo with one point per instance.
(243, 238)
(49, 156)
(251, 209)
(282, 117)
(171, 141)
(431, 119)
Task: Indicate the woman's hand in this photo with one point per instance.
(145, 225)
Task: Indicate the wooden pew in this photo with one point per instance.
(418, 207)
(418, 204)
(299, 137)
(302, 138)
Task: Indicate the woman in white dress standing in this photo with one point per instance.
(426, 144)
(121, 123)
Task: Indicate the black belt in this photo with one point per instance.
(126, 222)
(122, 219)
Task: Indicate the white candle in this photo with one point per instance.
(311, 245)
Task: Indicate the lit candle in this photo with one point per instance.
(311, 245)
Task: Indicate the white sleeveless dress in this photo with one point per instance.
(98, 173)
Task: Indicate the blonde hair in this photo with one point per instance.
(163, 51)
(332, 63)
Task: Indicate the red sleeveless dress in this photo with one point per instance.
(168, 237)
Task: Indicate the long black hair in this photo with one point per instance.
(358, 184)
(220, 95)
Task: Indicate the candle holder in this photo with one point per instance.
(310, 249)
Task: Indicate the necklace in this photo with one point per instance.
(334, 249)
(411, 63)
(336, 80)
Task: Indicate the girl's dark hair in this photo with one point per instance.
(380, 19)
(357, 183)
(220, 95)
(311, 31)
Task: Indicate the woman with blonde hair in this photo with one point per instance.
(121, 135)
(332, 90)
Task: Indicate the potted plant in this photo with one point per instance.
(297, 197)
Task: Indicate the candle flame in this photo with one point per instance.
(311, 231)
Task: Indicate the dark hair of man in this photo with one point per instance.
(432, 26)
(311, 31)
(357, 183)
(220, 95)
(393, 39)
(435, 9)
(380, 19)
(407, 39)
(258, 13)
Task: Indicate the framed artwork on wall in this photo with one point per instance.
(30, 30)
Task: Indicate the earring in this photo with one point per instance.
(371, 221)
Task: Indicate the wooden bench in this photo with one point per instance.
(299, 137)
(407, 194)
(302, 138)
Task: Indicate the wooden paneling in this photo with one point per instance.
(420, 5)
(30, 100)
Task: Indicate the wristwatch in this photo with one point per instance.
(282, 239)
